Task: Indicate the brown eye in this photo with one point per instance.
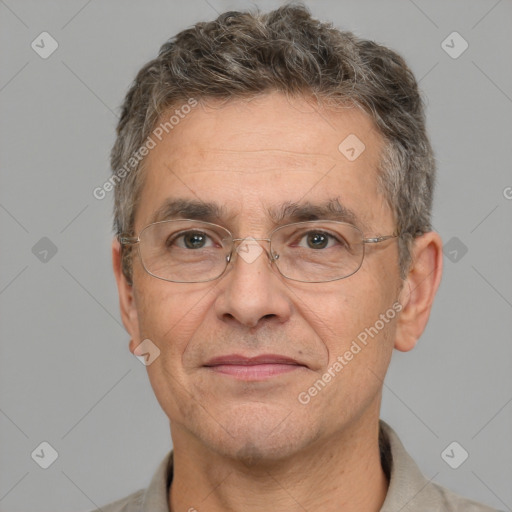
(190, 240)
(320, 240)
(194, 240)
(317, 240)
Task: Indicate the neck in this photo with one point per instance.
(343, 472)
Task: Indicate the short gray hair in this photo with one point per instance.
(242, 55)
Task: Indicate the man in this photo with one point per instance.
(273, 184)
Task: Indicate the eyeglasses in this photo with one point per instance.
(188, 251)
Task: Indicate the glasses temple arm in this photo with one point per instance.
(128, 240)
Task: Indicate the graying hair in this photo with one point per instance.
(242, 55)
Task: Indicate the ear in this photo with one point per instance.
(127, 303)
(420, 287)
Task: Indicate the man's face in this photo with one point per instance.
(249, 158)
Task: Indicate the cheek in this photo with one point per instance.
(359, 342)
(169, 315)
(344, 307)
(356, 319)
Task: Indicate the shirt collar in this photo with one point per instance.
(407, 485)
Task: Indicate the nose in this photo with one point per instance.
(252, 292)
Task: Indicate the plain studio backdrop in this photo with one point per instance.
(67, 376)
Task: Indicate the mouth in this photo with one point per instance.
(253, 368)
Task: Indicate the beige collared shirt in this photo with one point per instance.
(408, 489)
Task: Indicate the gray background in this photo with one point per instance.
(66, 375)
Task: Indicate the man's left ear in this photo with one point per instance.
(419, 289)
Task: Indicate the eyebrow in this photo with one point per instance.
(331, 209)
(189, 209)
(206, 211)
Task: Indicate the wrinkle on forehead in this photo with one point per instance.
(264, 155)
(251, 161)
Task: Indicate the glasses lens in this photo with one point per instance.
(184, 251)
(317, 251)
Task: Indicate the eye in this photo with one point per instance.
(190, 240)
(320, 240)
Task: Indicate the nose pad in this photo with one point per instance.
(249, 249)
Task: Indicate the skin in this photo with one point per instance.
(252, 445)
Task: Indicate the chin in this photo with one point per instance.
(257, 434)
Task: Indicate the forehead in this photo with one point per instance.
(251, 157)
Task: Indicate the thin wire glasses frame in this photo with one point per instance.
(315, 263)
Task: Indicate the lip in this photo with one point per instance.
(253, 368)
